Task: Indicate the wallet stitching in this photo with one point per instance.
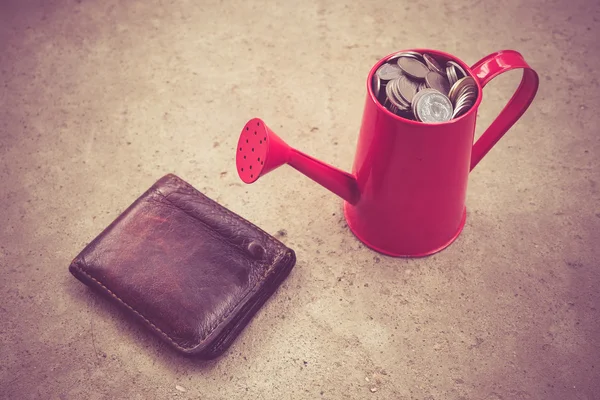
(224, 317)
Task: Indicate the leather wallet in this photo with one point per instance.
(192, 271)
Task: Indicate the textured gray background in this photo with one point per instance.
(99, 99)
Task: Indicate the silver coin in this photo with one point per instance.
(397, 90)
(434, 107)
(394, 92)
(382, 95)
(416, 55)
(376, 86)
(460, 86)
(451, 74)
(454, 74)
(453, 92)
(458, 68)
(391, 95)
(469, 92)
(395, 57)
(460, 110)
(433, 64)
(407, 88)
(416, 99)
(387, 72)
(462, 102)
(387, 104)
(438, 82)
(467, 97)
(413, 67)
(410, 54)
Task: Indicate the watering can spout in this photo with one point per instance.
(260, 151)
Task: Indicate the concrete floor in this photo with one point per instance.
(99, 99)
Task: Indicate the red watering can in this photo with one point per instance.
(406, 193)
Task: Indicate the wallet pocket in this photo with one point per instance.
(192, 271)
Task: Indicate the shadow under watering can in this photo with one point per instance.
(406, 194)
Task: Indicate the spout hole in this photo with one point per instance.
(255, 132)
(242, 169)
(258, 123)
(244, 157)
(246, 140)
(265, 139)
(251, 167)
(251, 176)
(253, 149)
(260, 142)
(262, 163)
(240, 149)
(258, 158)
(247, 128)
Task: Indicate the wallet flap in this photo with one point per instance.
(188, 267)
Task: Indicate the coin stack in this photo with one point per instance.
(415, 86)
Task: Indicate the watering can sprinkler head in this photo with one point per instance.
(260, 151)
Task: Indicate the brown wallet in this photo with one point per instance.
(189, 269)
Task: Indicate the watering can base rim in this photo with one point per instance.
(399, 255)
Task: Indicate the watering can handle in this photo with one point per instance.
(487, 69)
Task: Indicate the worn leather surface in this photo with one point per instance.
(189, 269)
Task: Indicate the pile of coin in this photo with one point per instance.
(416, 86)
